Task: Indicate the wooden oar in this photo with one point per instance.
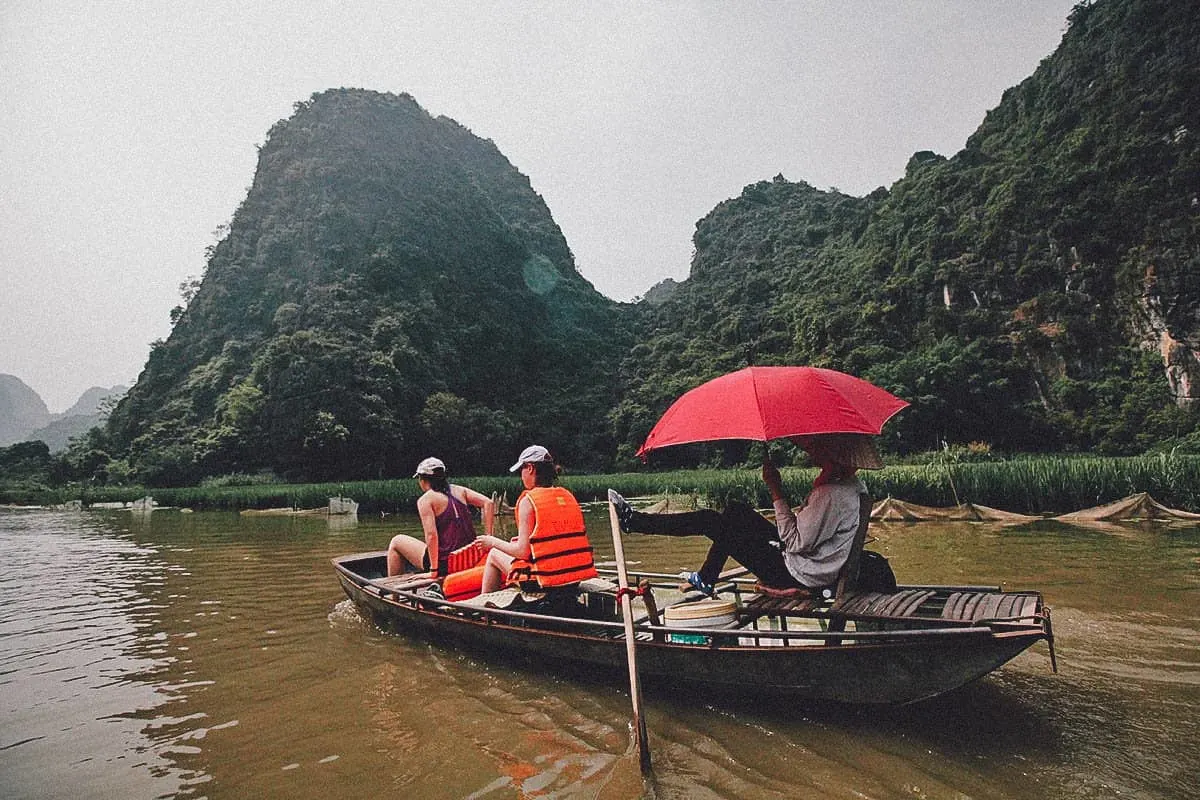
(635, 686)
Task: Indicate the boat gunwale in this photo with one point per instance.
(719, 638)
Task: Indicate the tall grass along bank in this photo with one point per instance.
(1051, 485)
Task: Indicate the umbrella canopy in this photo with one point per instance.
(765, 403)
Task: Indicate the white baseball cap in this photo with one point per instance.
(429, 466)
(535, 452)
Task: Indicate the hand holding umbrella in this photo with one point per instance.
(772, 478)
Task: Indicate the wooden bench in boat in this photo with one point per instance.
(976, 606)
(955, 606)
(921, 604)
(407, 582)
(894, 605)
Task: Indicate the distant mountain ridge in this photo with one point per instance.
(22, 410)
(25, 417)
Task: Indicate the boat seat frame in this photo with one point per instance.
(916, 606)
(924, 606)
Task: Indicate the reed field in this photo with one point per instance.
(1035, 485)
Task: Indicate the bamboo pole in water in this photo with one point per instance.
(635, 686)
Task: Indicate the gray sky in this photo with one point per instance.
(128, 131)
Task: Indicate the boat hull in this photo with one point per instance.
(897, 668)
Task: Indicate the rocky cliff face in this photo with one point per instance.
(1114, 115)
(1166, 320)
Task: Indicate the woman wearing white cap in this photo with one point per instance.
(445, 514)
(551, 547)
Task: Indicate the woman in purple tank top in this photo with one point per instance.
(445, 512)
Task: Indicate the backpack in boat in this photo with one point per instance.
(875, 573)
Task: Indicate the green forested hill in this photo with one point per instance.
(391, 286)
(1038, 290)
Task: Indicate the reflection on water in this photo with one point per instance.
(208, 655)
(80, 652)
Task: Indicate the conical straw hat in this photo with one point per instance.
(855, 450)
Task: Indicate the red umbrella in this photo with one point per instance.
(764, 403)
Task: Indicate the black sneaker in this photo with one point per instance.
(624, 510)
(433, 592)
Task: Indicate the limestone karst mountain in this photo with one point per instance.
(390, 285)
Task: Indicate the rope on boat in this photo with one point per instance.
(639, 591)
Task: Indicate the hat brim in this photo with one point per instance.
(855, 450)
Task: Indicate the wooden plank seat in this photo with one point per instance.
(930, 606)
(896, 605)
(766, 606)
(900, 605)
(408, 582)
(974, 606)
(918, 605)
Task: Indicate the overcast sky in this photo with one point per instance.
(128, 131)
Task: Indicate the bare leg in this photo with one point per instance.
(495, 570)
(404, 551)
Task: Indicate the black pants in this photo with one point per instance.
(738, 532)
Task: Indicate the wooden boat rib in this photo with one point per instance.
(894, 648)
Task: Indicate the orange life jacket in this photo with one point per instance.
(559, 551)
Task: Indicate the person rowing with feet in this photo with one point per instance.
(804, 549)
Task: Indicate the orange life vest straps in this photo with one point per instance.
(559, 551)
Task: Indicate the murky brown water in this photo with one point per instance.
(207, 655)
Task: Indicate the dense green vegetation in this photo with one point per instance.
(392, 287)
(1035, 485)
(1025, 292)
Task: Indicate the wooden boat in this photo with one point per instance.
(338, 507)
(867, 647)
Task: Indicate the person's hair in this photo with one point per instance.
(438, 482)
(545, 473)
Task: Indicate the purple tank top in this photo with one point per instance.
(454, 528)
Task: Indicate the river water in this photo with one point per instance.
(211, 655)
